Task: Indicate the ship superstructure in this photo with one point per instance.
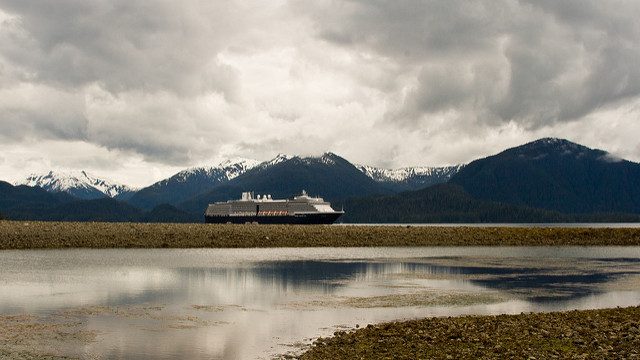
(263, 209)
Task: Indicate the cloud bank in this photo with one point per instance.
(160, 85)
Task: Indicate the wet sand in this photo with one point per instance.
(52, 235)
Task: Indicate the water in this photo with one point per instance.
(258, 303)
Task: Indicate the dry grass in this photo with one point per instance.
(49, 235)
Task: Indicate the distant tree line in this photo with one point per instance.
(451, 204)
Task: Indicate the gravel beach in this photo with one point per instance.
(51, 235)
(587, 334)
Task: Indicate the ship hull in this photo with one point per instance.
(314, 218)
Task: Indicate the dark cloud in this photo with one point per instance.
(535, 63)
(163, 84)
(121, 74)
(57, 115)
(408, 30)
(122, 44)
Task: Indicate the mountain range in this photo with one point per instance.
(329, 175)
(545, 180)
(548, 180)
(189, 183)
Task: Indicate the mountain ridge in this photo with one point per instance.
(555, 174)
(190, 182)
(549, 179)
(87, 186)
(410, 178)
(329, 175)
(23, 202)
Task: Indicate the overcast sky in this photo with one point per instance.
(135, 90)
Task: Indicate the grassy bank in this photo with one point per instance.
(591, 334)
(41, 235)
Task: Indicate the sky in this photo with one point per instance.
(136, 90)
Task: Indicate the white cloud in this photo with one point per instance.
(139, 89)
(42, 155)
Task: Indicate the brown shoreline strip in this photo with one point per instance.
(51, 235)
(587, 334)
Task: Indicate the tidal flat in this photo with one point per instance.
(58, 235)
(96, 290)
(273, 303)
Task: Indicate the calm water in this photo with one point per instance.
(258, 303)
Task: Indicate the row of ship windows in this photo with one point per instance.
(261, 213)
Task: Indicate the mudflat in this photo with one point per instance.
(52, 235)
(586, 334)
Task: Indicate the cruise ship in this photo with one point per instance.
(262, 209)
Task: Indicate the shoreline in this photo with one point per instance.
(60, 235)
(597, 334)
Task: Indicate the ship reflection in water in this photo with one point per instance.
(252, 303)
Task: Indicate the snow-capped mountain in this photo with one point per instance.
(545, 180)
(402, 174)
(276, 160)
(191, 182)
(327, 158)
(410, 178)
(224, 171)
(79, 184)
(329, 176)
